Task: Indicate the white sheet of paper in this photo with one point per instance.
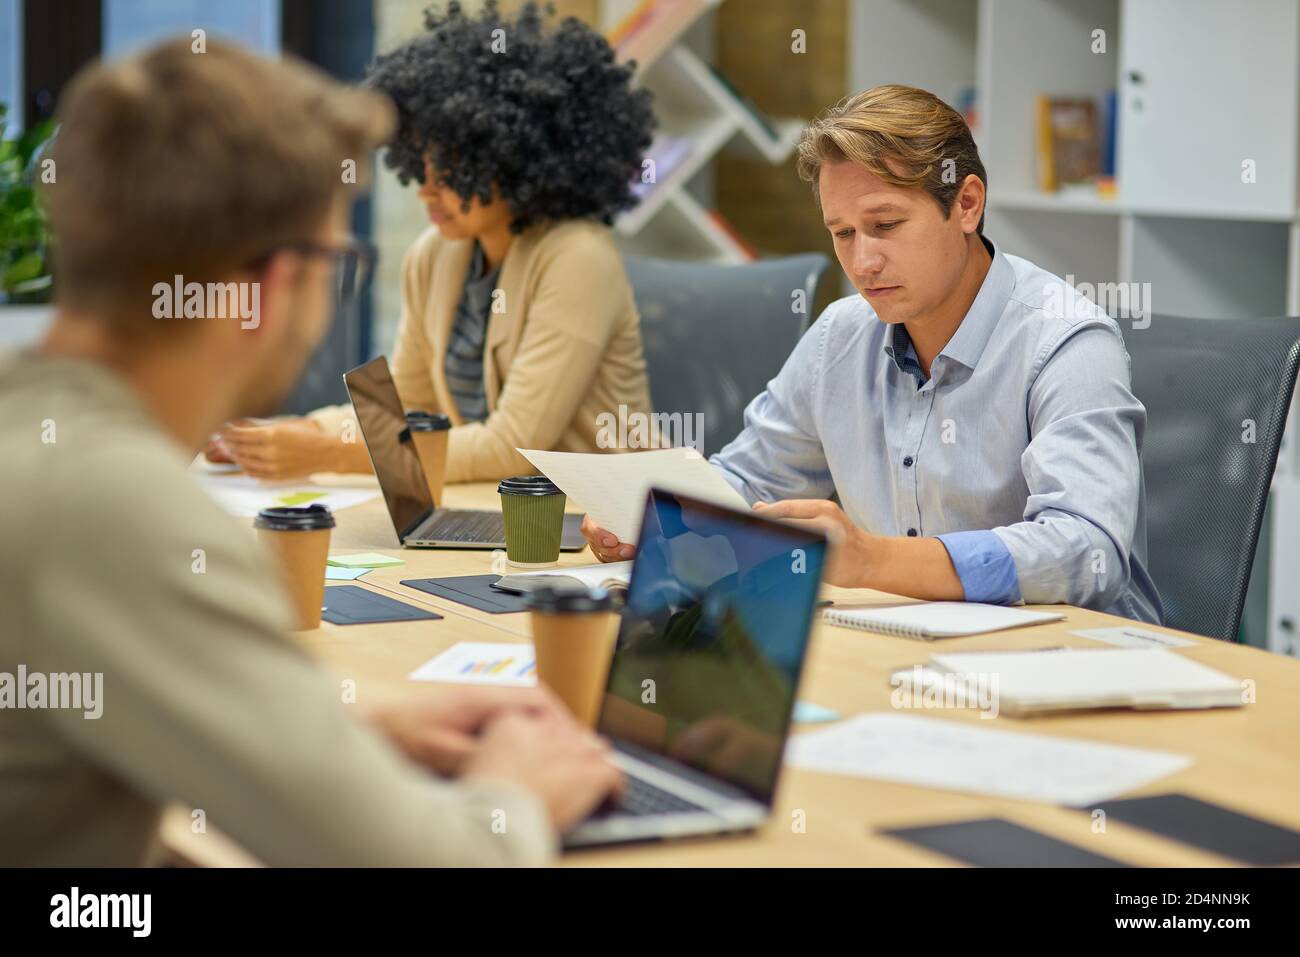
(956, 756)
(1128, 637)
(612, 488)
(242, 495)
(482, 663)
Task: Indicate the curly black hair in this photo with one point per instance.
(544, 115)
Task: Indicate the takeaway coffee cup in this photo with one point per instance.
(429, 432)
(300, 539)
(532, 507)
(573, 636)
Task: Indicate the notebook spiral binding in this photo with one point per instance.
(849, 620)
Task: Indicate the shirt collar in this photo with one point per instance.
(972, 335)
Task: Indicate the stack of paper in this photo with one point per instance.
(1032, 682)
(609, 575)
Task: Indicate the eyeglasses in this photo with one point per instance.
(353, 264)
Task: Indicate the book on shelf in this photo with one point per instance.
(964, 102)
(1068, 143)
(652, 28)
(667, 153)
(1110, 126)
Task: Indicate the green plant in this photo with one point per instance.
(24, 231)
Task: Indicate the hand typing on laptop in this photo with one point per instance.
(523, 737)
(550, 756)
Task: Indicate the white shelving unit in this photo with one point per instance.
(1203, 87)
(673, 221)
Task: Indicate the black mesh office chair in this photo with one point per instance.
(714, 335)
(1203, 381)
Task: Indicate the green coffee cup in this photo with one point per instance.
(532, 507)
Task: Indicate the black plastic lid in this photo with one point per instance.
(566, 601)
(307, 518)
(427, 421)
(528, 485)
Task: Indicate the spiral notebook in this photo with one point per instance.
(937, 619)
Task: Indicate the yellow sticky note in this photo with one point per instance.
(298, 498)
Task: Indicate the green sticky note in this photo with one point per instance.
(364, 560)
(298, 498)
(336, 574)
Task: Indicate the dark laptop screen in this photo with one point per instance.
(712, 639)
(383, 426)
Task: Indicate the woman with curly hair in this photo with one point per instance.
(517, 318)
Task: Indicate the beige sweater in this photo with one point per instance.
(116, 563)
(563, 346)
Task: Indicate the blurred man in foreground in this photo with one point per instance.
(231, 171)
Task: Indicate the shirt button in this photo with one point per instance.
(911, 533)
(907, 462)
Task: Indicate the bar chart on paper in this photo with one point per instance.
(482, 662)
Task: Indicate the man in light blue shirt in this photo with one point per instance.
(964, 429)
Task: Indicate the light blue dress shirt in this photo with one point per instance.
(1020, 452)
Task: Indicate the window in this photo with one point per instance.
(11, 63)
(132, 23)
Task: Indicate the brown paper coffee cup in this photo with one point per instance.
(573, 637)
(300, 540)
(429, 432)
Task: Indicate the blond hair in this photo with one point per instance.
(173, 161)
(905, 136)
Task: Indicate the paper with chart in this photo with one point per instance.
(611, 488)
(482, 663)
(959, 756)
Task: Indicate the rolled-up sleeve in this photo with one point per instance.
(778, 454)
(984, 566)
(1083, 473)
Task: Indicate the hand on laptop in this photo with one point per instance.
(563, 764)
(280, 449)
(604, 543)
(441, 731)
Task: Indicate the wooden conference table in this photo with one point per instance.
(1246, 758)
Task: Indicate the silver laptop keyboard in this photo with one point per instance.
(641, 799)
(464, 526)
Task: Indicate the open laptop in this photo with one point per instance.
(417, 519)
(701, 688)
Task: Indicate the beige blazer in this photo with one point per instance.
(562, 354)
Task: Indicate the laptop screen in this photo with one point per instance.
(712, 639)
(383, 426)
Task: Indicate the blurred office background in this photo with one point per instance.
(1146, 149)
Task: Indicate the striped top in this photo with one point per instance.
(464, 361)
